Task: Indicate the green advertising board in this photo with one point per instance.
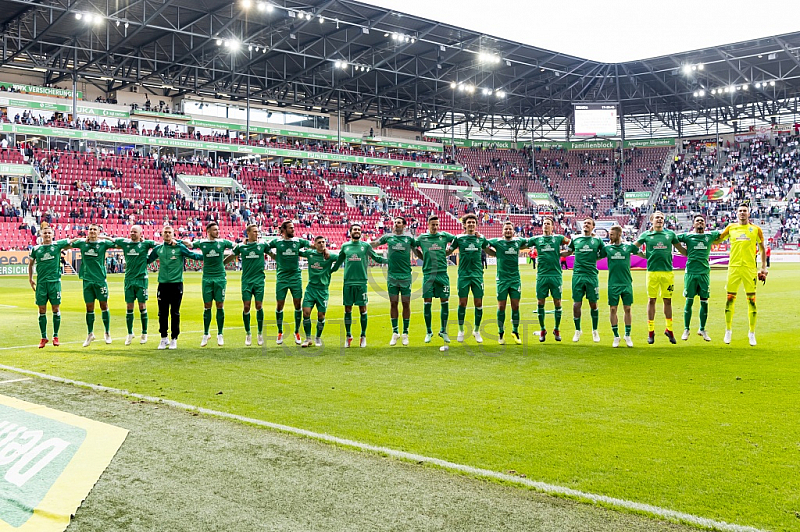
(45, 91)
(363, 191)
(83, 108)
(558, 144)
(15, 169)
(637, 195)
(155, 114)
(538, 196)
(208, 181)
(14, 269)
(221, 147)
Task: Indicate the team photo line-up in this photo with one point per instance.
(433, 247)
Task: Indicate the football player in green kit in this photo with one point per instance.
(470, 246)
(585, 278)
(620, 283)
(320, 264)
(398, 279)
(355, 256)
(509, 283)
(93, 272)
(549, 276)
(214, 279)
(288, 276)
(253, 254)
(135, 250)
(697, 278)
(47, 287)
(435, 280)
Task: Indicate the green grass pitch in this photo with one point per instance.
(707, 429)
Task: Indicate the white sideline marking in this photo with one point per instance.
(8, 306)
(543, 487)
(15, 380)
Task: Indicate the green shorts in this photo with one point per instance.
(294, 286)
(399, 287)
(48, 291)
(615, 293)
(585, 286)
(253, 291)
(436, 286)
(136, 291)
(551, 285)
(95, 291)
(214, 290)
(506, 289)
(354, 295)
(697, 285)
(465, 285)
(316, 296)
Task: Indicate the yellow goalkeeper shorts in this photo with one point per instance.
(741, 276)
(660, 284)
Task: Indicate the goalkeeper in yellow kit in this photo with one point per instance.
(746, 239)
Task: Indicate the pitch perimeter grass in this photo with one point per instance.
(706, 429)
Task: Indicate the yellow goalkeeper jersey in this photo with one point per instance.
(744, 244)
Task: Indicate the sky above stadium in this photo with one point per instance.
(611, 32)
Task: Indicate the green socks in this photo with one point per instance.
(558, 318)
(56, 323)
(279, 320)
(221, 320)
(615, 330)
(703, 314)
(501, 321)
(129, 321)
(595, 318)
(90, 322)
(43, 325)
(106, 317)
(478, 317)
(298, 317)
(687, 313)
(428, 315)
(143, 315)
(364, 324)
(348, 323)
(462, 315)
(445, 315)
(515, 320)
(307, 327)
(406, 323)
(394, 325)
(246, 321)
(320, 326)
(577, 323)
(540, 313)
(627, 330)
(260, 320)
(206, 320)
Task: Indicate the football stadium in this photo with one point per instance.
(336, 265)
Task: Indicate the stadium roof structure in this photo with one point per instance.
(366, 61)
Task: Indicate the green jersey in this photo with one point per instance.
(619, 263)
(253, 256)
(507, 252)
(319, 268)
(355, 256)
(47, 258)
(93, 259)
(698, 246)
(213, 254)
(171, 259)
(399, 254)
(434, 252)
(135, 254)
(287, 257)
(587, 251)
(470, 249)
(548, 249)
(658, 249)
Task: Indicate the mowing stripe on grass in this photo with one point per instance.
(551, 489)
